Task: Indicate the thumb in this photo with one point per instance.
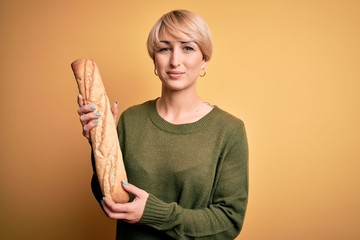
(137, 192)
(80, 100)
(115, 110)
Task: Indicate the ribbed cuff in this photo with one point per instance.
(157, 213)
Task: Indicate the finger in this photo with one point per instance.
(137, 192)
(88, 117)
(87, 135)
(80, 100)
(87, 127)
(86, 109)
(107, 205)
(113, 207)
(115, 110)
(117, 216)
(114, 215)
(129, 212)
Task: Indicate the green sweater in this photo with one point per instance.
(196, 174)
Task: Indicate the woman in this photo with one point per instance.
(186, 160)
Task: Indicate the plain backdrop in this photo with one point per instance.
(289, 69)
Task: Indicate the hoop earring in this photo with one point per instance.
(204, 73)
(155, 72)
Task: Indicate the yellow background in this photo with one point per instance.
(289, 69)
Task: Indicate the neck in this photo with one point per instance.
(179, 100)
(181, 107)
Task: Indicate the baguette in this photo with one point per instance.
(109, 164)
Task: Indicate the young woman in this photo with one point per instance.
(186, 159)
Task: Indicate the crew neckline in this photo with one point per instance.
(183, 128)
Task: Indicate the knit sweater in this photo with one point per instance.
(196, 174)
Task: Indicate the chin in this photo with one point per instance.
(178, 84)
(178, 87)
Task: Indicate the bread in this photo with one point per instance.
(109, 164)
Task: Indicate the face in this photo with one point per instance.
(178, 62)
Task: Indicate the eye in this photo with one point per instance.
(164, 49)
(188, 48)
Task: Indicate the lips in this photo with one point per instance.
(175, 74)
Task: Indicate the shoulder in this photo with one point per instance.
(137, 110)
(233, 129)
(228, 120)
(229, 126)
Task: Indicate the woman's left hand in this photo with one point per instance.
(130, 212)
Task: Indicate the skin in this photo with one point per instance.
(178, 63)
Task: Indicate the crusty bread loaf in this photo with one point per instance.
(104, 139)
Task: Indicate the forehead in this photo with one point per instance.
(173, 36)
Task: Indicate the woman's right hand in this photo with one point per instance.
(89, 117)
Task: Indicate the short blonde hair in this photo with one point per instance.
(182, 22)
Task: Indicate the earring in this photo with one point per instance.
(204, 73)
(155, 72)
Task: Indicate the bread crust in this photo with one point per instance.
(109, 163)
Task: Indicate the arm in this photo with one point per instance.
(223, 217)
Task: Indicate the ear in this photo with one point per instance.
(204, 64)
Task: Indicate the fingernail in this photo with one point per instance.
(96, 121)
(125, 183)
(92, 107)
(98, 114)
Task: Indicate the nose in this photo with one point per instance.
(175, 58)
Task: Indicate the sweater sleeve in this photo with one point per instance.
(223, 217)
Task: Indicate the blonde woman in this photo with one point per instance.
(186, 159)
